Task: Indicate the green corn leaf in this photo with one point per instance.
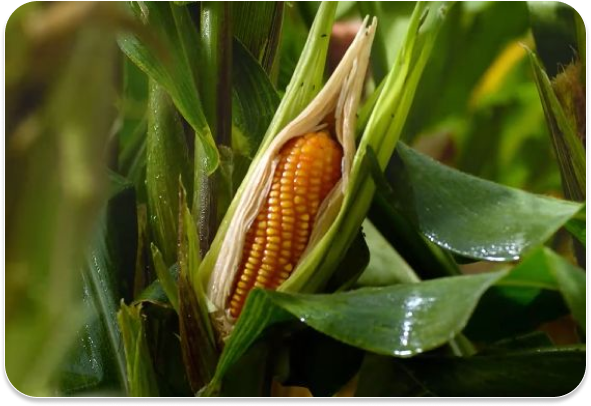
(399, 320)
(470, 216)
(546, 371)
(426, 258)
(168, 57)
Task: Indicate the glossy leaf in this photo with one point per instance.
(162, 55)
(400, 320)
(470, 216)
(550, 371)
(425, 258)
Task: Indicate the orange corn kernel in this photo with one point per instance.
(309, 167)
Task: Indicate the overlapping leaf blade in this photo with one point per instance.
(470, 216)
(400, 320)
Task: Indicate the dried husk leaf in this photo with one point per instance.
(340, 96)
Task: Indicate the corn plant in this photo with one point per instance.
(295, 199)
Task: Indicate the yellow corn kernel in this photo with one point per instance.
(286, 218)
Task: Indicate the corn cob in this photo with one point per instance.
(309, 167)
(254, 229)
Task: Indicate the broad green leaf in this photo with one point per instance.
(470, 216)
(167, 160)
(424, 257)
(550, 371)
(416, 317)
(163, 53)
(141, 380)
(254, 102)
(399, 320)
(543, 287)
(562, 124)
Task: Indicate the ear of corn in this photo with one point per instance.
(309, 167)
(245, 221)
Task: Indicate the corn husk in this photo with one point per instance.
(340, 96)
